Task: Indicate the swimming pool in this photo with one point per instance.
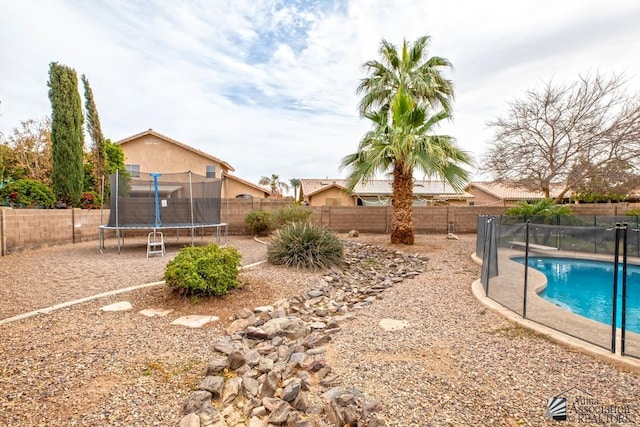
(585, 287)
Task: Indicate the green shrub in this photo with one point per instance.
(289, 214)
(27, 193)
(259, 222)
(90, 200)
(633, 212)
(205, 270)
(305, 245)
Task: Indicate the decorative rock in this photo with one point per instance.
(256, 422)
(279, 410)
(314, 293)
(155, 312)
(224, 346)
(210, 416)
(392, 324)
(290, 327)
(236, 359)
(263, 309)
(190, 420)
(118, 306)
(302, 401)
(231, 390)
(243, 313)
(238, 325)
(334, 414)
(250, 387)
(291, 389)
(213, 384)
(256, 333)
(318, 325)
(354, 233)
(194, 321)
(259, 411)
(195, 401)
(252, 357)
(269, 385)
(217, 364)
(265, 365)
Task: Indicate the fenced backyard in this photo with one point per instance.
(590, 288)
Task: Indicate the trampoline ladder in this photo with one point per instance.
(155, 243)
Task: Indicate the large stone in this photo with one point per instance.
(236, 359)
(194, 321)
(155, 312)
(239, 325)
(334, 413)
(231, 390)
(279, 410)
(195, 401)
(224, 346)
(210, 416)
(392, 325)
(217, 364)
(290, 327)
(118, 306)
(190, 420)
(250, 387)
(291, 389)
(252, 357)
(256, 422)
(269, 385)
(213, 384)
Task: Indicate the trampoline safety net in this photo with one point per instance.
(163, 200)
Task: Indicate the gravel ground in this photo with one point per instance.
(456, 364)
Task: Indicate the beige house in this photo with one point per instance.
(150, 151)
(377, 192)
(503, 194)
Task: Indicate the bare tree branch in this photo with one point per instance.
(569, 135)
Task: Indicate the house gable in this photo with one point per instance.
(154, 152)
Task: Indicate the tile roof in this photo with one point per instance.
(383, 187)
(178, 143)
(505, 191)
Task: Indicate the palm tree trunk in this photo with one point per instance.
(402, 219)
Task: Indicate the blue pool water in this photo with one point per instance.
(586, 288)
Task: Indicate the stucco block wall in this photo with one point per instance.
(23, 229)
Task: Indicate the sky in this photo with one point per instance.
(269, 86)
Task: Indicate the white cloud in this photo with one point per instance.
(269, 86)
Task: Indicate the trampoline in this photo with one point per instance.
(157, 202)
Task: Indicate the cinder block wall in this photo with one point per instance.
(23, 229)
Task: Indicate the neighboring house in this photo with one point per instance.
(150, 151)
(377, 192)
(503, 194)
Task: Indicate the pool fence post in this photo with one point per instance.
(614, 309)
(526, 268)
(625, 230)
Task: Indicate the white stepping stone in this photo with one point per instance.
(392, 324)
(118, 306)
(155, 312)
(194, 321)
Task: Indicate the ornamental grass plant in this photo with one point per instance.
(304, 245)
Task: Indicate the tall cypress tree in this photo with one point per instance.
(67, 139)
(98, 149)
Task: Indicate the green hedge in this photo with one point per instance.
(27, 193)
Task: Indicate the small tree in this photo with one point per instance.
(67, 139)
(98, 156)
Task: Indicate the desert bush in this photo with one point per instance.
(259, 222)
(633, 212)
(27, 193)
(300, 244)
(204, 270)
(289, 214)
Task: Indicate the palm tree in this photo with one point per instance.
(295, 184)
(277, 186)
(410, 69)
(396, 96)
(400, 146)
